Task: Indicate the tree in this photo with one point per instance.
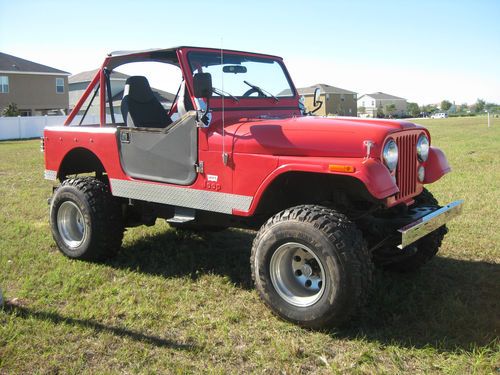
(492, 107)
(429, 108)
(464, 107)
(380, 112)
(390, 109)
(445, 105)
(413, 109)
(479, 106)
(11, 110)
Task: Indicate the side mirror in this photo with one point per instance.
(316, 100)
(317, 97)
(202, 85)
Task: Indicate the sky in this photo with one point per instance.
(424, 51)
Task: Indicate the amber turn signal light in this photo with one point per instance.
(341, 168)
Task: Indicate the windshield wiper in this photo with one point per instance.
(224, 93)
(261, 91)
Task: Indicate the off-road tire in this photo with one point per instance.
(425, 248)
(98, 213)
(337, 244)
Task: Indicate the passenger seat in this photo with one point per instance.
(140, 107)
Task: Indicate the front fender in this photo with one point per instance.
(436, 165)
(373, 174)
(377, 179)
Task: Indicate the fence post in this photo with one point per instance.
(18, 127)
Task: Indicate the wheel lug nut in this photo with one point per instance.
(308, 283)
(298, 273)
(296, 258)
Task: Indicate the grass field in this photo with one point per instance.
(178, 303)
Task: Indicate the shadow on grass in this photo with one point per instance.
(181, 253)
(28, 313)
(448, 305)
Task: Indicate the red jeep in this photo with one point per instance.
(329, 197)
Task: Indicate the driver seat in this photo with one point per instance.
(140, 107)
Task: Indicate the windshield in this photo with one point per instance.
(242, 76)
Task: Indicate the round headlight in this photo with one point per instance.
(390, 155)
(423, 148)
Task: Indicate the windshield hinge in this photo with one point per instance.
(199, 167)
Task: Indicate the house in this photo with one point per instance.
(36, 89)
(79, 82)
(336, 101)
(378, 104)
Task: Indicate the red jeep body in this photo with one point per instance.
(263, 140)
(241, 161)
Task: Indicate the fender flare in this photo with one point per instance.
(373, 174)
(436, 165)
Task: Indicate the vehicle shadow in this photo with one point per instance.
(449, 304)
(175, 253)
(29, 313)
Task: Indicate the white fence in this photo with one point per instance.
(32, 126)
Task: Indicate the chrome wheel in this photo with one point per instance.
(71, 224)
(297, 274)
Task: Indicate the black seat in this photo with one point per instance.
(140, 107)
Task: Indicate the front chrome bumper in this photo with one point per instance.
(428, 223)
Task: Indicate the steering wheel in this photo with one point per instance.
(251, 91)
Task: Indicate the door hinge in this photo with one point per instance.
(199, 167)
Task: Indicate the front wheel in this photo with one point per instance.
(85, 219)
(310, 266)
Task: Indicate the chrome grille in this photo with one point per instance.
(406, 173)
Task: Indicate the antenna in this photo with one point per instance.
(224, 155)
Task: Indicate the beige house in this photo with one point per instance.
(336, 101)
(371, 104)
(36, 89)
(78, 83)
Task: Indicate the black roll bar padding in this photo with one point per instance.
(90, 104)
(110, 98)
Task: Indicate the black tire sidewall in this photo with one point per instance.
(72, 194)
(336, 282)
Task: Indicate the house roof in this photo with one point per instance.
(9, 63)
(324, 89)
(382, 96)
(90, 74)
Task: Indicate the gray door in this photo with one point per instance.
(164, 155)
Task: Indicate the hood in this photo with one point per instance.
(311, 136)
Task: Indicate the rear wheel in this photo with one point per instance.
(310, 266)
(85, 219)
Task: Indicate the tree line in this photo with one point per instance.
(464, 109)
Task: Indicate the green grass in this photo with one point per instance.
(178, 303)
